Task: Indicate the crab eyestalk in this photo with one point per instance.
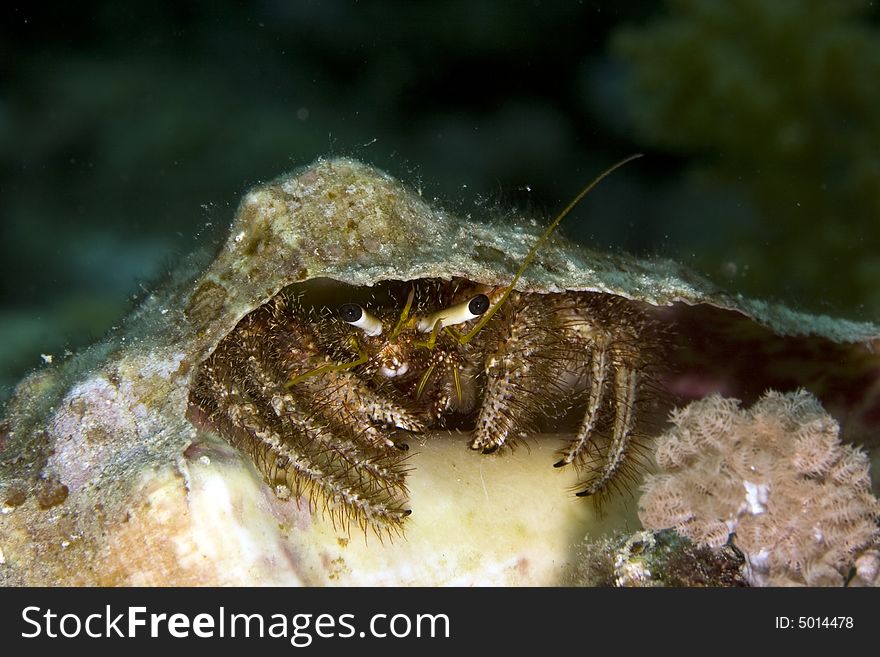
(353, 314)
(457, 314)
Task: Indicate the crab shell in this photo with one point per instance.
(104, 481)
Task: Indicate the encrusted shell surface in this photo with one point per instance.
(104, 481)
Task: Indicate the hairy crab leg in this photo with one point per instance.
(599, 371)
(514, 394)
(626, 380)
(378, 473)
(337, 395)
(297, 459)
(343, 398)
(293, 438)
(285, 453)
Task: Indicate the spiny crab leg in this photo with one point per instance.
(338, 396)
(362, 358)
(342, 397)
(286, 452)
(599, 371)
(513, 396)
(289, 408)
(626, 381)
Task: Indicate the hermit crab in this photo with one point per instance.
(322, 384)
(144, 459)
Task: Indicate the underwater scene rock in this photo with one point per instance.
(111, 474)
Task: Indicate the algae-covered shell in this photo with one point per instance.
(104, 481)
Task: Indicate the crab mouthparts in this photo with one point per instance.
(391, 372)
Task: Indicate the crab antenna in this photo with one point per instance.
(537, 245)
(403, 315)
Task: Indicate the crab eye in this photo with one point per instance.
(478, 305)
(353, 314)
(457, 314)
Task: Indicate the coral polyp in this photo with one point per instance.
(774, 480)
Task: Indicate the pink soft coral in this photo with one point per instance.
(797, 502)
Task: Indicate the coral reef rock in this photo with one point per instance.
(104, 480)
(656, 559)
(776, 481)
